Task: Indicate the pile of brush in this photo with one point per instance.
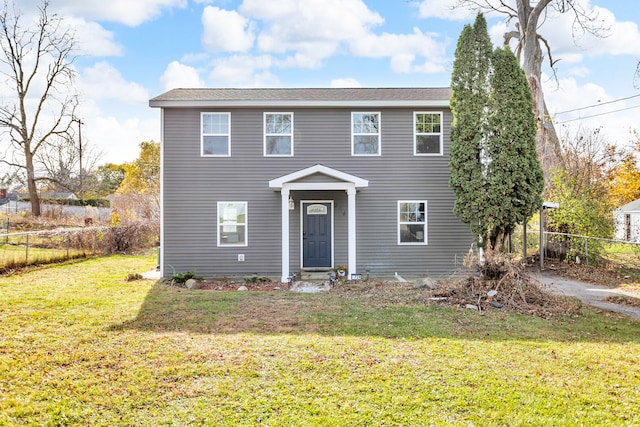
(499, 281)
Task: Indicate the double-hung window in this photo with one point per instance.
(412, 222)
(278, 134)
(427, 133)
(365, 134)
(215, 134)
(232, 223)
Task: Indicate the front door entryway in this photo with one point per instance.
(317, 240)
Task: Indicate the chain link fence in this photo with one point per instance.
(21, 249)
(620, 255)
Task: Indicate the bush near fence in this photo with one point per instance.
(49, 246)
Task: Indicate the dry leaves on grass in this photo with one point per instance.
(623, 300)
(602, 275)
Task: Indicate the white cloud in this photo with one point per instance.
(180, 75)
(243, 71)
(403, 49)
(612, 37)
(120, 138)
(345, 82)
(128, 12)
(570, 43)
(93, 39)
(102, 81)
(312, 30)
(566, 101)
(226, 31)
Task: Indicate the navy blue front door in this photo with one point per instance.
(316, 235)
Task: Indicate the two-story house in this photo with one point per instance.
(277, 181)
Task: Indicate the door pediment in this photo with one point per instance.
(318, 175)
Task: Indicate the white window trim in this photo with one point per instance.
(228, 134)
(246, 225)
(415, 133)
(265, 134)
(425, 222)
(379, 134)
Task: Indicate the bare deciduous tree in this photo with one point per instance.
(67, 164)
(527, 16)
(37, 61)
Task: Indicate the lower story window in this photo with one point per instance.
(412, 222)
(232, 223)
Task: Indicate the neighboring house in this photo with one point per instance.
(627, 221)
(279, 181)
(6, 197)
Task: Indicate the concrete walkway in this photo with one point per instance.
(587, 293)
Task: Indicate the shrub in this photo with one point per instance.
(132, 277)
(130, 237)
(181, 278)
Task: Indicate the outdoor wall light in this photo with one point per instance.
(292, 204)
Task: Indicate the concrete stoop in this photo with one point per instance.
(315, 276)
(310, 287)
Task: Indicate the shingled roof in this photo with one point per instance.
(328, 97)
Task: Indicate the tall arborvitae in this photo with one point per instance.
(469, 102)
(495, 171)
(514, 176)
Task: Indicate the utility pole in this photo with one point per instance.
(80, 123)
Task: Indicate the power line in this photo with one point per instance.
(599, 114)
(598, 104)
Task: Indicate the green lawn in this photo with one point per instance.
(81, 346)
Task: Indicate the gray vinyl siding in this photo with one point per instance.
(192, 186)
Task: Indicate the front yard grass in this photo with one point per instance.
(79, 345)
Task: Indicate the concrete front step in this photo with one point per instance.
(314, 276)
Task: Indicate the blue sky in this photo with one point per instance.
(135, 50)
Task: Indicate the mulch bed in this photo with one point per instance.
(218, 285)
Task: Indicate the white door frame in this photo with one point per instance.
(333, 239)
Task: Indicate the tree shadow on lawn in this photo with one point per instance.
(393, 312)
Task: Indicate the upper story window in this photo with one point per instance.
(232, 223)
(412, 222)
(278, 134)
(427, 133)
(365, 134)
(216, 134)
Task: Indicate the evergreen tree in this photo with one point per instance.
(469, 101)
(515, 179)
(495, 172)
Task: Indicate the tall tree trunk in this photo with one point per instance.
(547, 142)
(31, 183)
